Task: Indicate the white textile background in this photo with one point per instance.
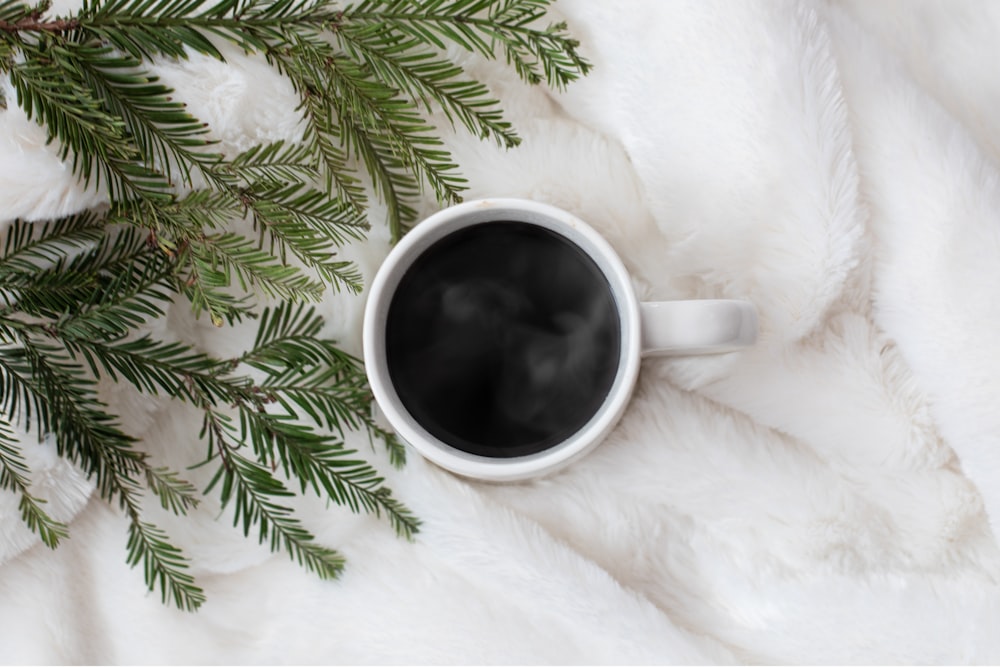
(828, 496)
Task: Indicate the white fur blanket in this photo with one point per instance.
(831, 495)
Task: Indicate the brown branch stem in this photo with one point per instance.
(33, 24)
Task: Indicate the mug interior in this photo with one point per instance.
(424, 237)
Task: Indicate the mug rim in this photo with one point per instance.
(440, 225)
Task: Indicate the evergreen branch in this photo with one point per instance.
(44, 293)
(50, 92)
(331, 391)
(277, 162)
(17, 17)
(393, 445)
(65, 405)
(5, 55)
(222, 306)
(122, 302)
(434, 22)
(202, 210)
(147, 29)
(322, 462)
(163, 132)
(284, 321)
(156, 367)
(304, 207)
(52, 391)
(335, 132)
(207, 264)
(144, 29)
(392, 125)
(314, 376)
(307, 222)
(29, 24)
(187, 217)
(389, 178)
(329, 385)
(252, 489)
(130, 287)
(164, 565)
(322, 136)
(30, 246)
(40, 383)
(287, 348)
(176, 495)
(221, 260)
(305, 67)
(427, 79)
(537, 54)
(14, 476)
(105, 289)
(152, 367)
(355, 483)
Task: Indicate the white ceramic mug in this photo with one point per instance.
(670, 327)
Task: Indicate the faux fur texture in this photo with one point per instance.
(830, 495)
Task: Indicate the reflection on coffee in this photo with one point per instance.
(503, 339)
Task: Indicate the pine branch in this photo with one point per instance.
(159, 368)
(252, 489)
(323, 463)
(537, 54)
(384, 36)
(164, 565)
(392, 127)
(393, 445)
(51, 389)
(288, 350)
(39, 385)
(50, 91)
(179, 371)
(337, 136)
(324, 382)
(164, 133)
(176, 495)
(335, 133)
(103, 291)
(75, 292)
(127, 287)
(29, 246)
(305, 223)
(322, 137)
(329, 386)
(221, 260)
(278, 163)
(144, 29)
(426, 79)
(389, 178)
(43, 293)
(14, 476)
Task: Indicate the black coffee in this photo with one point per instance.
(503, 339)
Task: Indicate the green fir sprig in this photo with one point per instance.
(252, 235)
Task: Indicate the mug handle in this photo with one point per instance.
(697, 326)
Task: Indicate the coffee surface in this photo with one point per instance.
(503, 339)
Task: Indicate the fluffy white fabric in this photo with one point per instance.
(830, 495)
